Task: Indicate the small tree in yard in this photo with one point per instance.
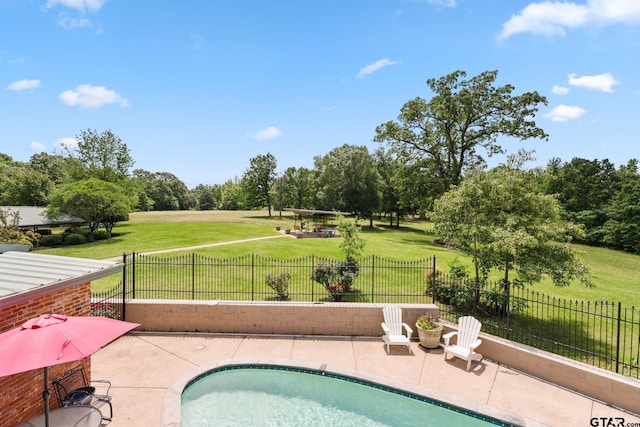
(95, 201)
(505, 222)
(338, 277)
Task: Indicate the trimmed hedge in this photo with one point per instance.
(75, 239)
(51, 240)
(101, 235)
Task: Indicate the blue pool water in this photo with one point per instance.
(265, 395)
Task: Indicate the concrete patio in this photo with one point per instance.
(142, 366)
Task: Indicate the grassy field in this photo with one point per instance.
(616, 275)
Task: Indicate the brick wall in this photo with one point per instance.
(21, 394)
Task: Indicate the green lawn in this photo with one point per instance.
(616, 275)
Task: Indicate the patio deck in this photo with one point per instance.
(143, 366)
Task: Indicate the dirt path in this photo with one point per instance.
(206, 245)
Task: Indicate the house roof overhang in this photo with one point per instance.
(25, 275)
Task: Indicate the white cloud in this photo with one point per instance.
(562, 113)
(37, 147)
(267, 133)
(90, 96)
(70, 143)
(21, 85)
(603, 82)
(371, 68)
(81, 5)
(560, 90)
(552, 18)
(443, 3)
(70, 23)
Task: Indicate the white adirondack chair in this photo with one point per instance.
(392, 327)
(467, 340)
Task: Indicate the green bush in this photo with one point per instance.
(75, 239)
(101, 235)
(51, 240)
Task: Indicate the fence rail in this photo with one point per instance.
(603, 334)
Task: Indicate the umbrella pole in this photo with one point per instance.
(45, 397)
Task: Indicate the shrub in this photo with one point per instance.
(52, 240)
(75, 239)
(101, 235)
(279, 283)
(337, 278)
(105, 309)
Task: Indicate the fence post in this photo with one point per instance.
(618, 338)
(193, 275)
(133, 275)
(373, 274)
(313, 263)
(433, 278)
(124, 286)
(253, 275)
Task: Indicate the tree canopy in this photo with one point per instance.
(103, 156)
(348, 180)
(503, 219)
(93, 200)
(258, 181)
(443, 136)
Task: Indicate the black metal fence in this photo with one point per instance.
(602, 334)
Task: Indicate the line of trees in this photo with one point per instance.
(432, 147)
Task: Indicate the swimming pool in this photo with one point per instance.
(277, 395)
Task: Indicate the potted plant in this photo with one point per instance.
(429, 331)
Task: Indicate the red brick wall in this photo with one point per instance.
(21, 394)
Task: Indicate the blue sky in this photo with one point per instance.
(196, 88)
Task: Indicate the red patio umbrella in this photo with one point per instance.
(53, 339)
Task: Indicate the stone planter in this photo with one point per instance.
(429, 338)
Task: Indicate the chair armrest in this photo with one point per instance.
(408, 329)
(447, 337)
(475, 344)
(385, 328)
(106, 382)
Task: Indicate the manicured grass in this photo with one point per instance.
(616, 275)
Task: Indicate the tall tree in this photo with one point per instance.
(503, 219)
(622, 229)
(161, 191)
(445, 134)
(258, 181)
(299, 188)
(103, 156)
(27, 186)
(207, 197)
(585, 189)
(348, 180)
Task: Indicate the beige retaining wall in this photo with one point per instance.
(363, 319)
(284, 318)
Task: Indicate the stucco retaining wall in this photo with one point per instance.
(285, 318)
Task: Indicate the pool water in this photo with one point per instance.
(263, 395)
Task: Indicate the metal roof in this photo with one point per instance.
(26, 275)
(312, 212)
(33, 216)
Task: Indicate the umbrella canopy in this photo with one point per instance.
(53, 339)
